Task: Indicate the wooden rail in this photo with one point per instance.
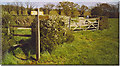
(21, 26)
(21, 35)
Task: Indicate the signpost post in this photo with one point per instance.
(37, 33)
(38, 30)
(38, 38)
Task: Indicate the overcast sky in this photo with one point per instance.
(41, 3)
(58, 0)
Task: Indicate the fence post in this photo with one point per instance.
(9, 28)
(38, 37)
(98, 24)
(69, 22)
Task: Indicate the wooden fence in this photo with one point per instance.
(13, 27)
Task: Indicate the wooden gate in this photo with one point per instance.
(86, 25)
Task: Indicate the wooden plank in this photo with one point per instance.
(17, 45)
(42, 17)
(8, 28)
(23, 28)
(21, 35)
(20, 26)
(98, 24)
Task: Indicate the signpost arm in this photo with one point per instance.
(38, 38)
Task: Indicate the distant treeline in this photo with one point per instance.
(63, 8)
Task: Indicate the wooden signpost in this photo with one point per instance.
(38, 38)
(37, 33)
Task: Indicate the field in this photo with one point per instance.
(88, 47)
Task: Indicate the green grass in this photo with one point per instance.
(23, 32)
(92, 20)
(10, 59)
(88, 47)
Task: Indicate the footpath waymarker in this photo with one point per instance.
(33, 12)
(36, 13)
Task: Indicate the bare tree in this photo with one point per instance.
(59, 9)
(30, 6)
(49, 7)
(21, 7)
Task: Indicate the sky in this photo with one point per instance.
(41, 3)
(58, 0)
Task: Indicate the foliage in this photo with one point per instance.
(68, 7)
(25, 12)
(53, 13)
(87, 13)
(48, 7)
(7, 39)
(62, 13)
(53, 33)
(83, 10)
(13, 13)
(75, 14)
(6, 18)
(105, 9)
(24, 20)
(103, 23)
(18, 7)
(96, 11)
(19, 12)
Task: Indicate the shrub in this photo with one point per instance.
(103, 24)
(6, 18)
(53, 33)
(7, 39)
